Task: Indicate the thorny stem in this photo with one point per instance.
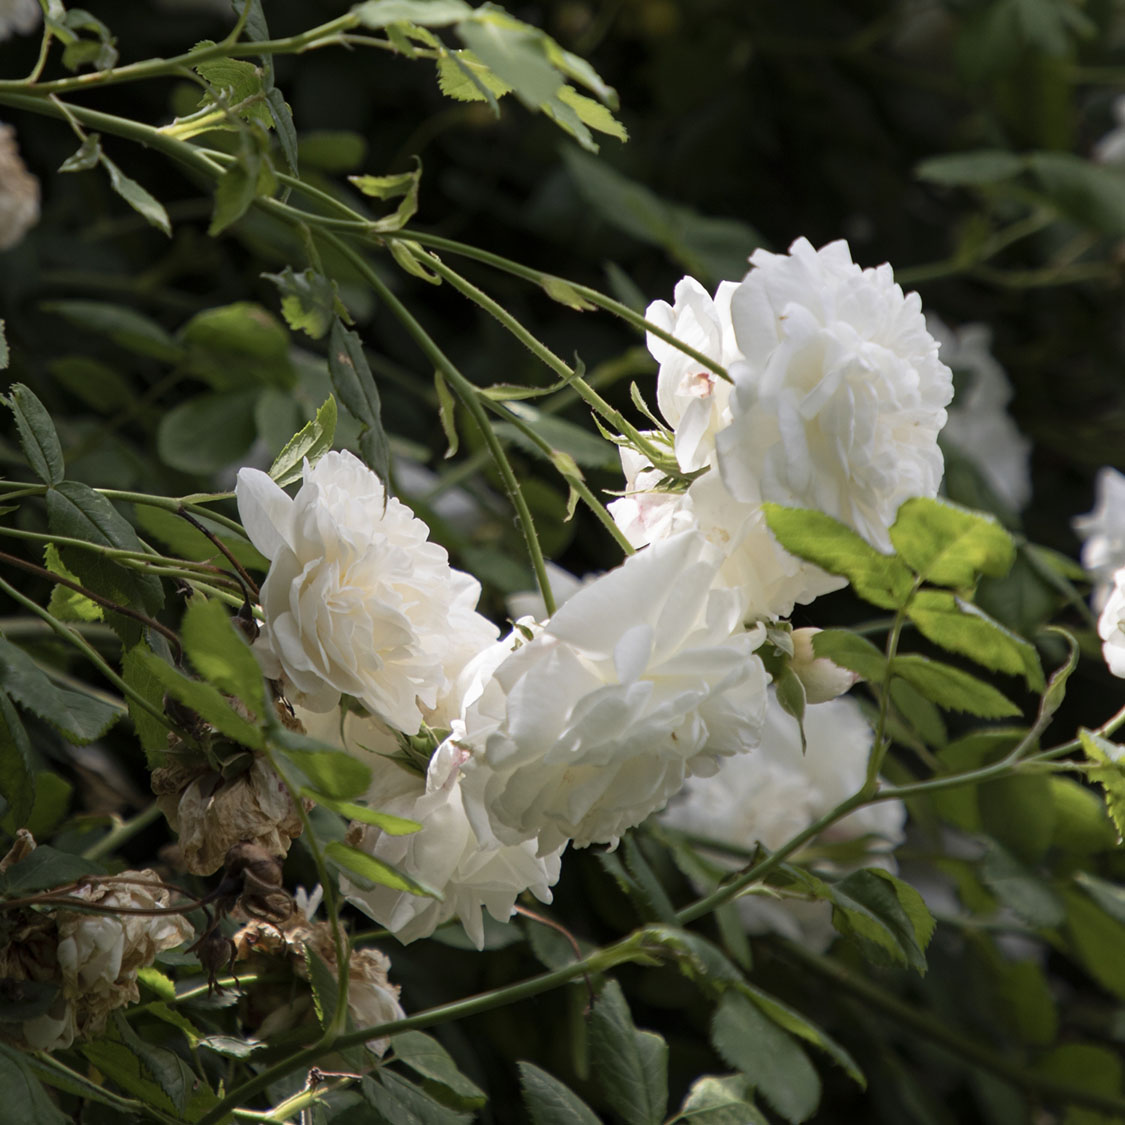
(250, 585)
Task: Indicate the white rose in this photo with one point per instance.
(767, 577)
(1111, 626)
(445, 855)
(357, 601)
(1103, 530)
(692, 398)
(839, 401)
(777, 791)
(643, 677)
(979, 425)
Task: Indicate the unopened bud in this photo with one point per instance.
(822, 679)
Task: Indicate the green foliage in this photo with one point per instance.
(37, 433)
(549, 1101)
(24, 1096)
(769, 1058)
(875, 907)
(311, 443)
(1109, 773)
(425, 1056)
(630, 1066)
(367, 869)
(358, 393)
(233, 345)
(220, 653)
(405, 184)
(950, 546)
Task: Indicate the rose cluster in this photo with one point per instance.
(573, 729)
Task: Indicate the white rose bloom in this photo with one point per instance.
(692, 398)
(777, 791)
(357, 601)
(839, 401)
(1111, 626)
(768, 578)
(19, 189)
(644, 677)
(979, 425)
(20, 17)
(1103, 530)
(445, 855)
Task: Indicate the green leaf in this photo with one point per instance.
(4, 357)
(592, 113)
(883, 580)
(631, 1066)
(45, 868)
(37, 433)
(399, 1102)
(462, 76)
(1019, 811)
(1109, 896)
(410, 255)
(851, 651)
(1090, 194)
(187, 542)
(96, 384)
(221, 654)
(332, 150)
(1091, 1067)
(142, 201)
(1056, 686)
(188, 1093)
(53, 796)
(234, 81)
(127, 328)
(1019, 889)
(565, 293)
(447, 413)
(359, 394)
(17, 781)
(1024, 997)
(771, 1059)
(333, 773)
(392, 825)
(951, 546)
(953, 689)
(426, 1056)
(796, 1024)
(707, 247)
(959, 626)
(427, 13)
(370, 869)
(561, 435)
(653, 898)
(237, 345)
(202, 698)
(208, 432)
(514, 53)
(236, 190)
(405, 184)
(1097, 940)
(311, 443)
(549, 1102)
(67, 604)
(1082, 826)
(308, 300)
(726, 1100)
(25, 1100)
(88, 154)
(878, 908)
(1109, 773)
(985, 166)
(80, 718)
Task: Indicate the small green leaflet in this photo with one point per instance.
(883, 580)
(550, 1102)
(37, 434)
(311, 443)
(308, 300)
(949, 545)
(392, 825)
(954, 689)
(140, 199)
(1109, 772)
(630, 1066)
(358, 392)
(369, 869)
(221, 654)
(405, 184)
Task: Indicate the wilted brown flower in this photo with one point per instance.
(211, 814)
(93, 958)
(372, 999)
(19, 191)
